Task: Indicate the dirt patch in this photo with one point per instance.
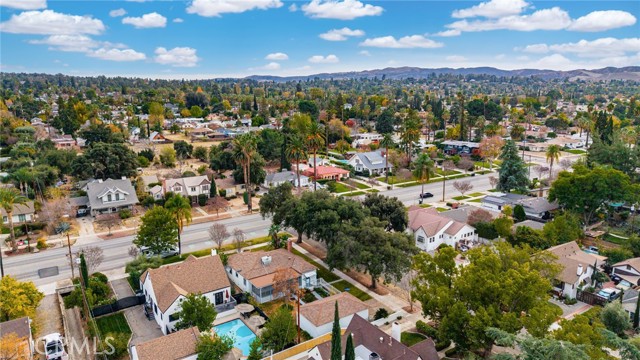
(599, 243)
(117, 234)
(209, 218)
(48, 317)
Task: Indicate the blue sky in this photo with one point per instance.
(211, 38)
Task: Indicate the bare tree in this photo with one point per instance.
(134, 251)
(238, 238)
(109, 221)
(93, 256)
(406, 285)
(493, 181)
(565, 164)
(285, 283)
(540, 170)
(479, 215)
(465, 164)
(462, 186)
(218, 203)
(53, 212)
(218, 233)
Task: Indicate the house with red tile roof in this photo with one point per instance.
(430, 229)
(327, 173)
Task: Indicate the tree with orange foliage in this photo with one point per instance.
(14, 348)
(490, 149)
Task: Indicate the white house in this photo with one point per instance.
(373, 162)
(180, 345)
(275, 179)
(577, 268)
(430, 229)
(190, 187)
(22, 213)
(365, 139)
(255, 272)
(166, 287)
(535, 208)
(157, 137)
(110, 195)
(316, 317)
(629, 271)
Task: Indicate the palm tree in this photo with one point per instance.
(245, 147)
(180, 206)
(410, 132)
(386, 141)
(553, 154)
(314, 141)
(10, 198)
(424, 169)
(295, 152)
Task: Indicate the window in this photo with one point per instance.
(109, 197)
(432, 239)
(244, 282)
(193, 189)
(22, 218)
(205, 187)
(217, 298)
(421, 239)
(155, 309)
(174, 317)
(177, 189)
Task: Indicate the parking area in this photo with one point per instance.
(142, 329)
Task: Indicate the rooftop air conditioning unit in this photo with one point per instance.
(266, 260)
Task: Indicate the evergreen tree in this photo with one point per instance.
(519, 213)
(336, 336)
(254, 350)
(349, 352)
(84, 272)
(513, 171)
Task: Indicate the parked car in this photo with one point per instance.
(609, 293)
(592, 250)
(426, 195)
(82, 212)
(54, 347)
(148, 253)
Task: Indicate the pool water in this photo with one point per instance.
(241, 335)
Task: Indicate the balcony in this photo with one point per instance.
(226, 306)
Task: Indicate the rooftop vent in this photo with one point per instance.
(266, 260)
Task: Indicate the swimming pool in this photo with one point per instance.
(241, 335)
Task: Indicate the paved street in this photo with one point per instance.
(195, 237)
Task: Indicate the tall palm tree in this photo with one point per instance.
(296, 152)
(410, 132)
(386, 141)
(553, 155)
(245, 148)
(180, 206)
(424, 169)
(314, 141)
(10, 198)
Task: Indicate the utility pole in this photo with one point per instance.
(298, 300)
(73, 274)
(444, 174)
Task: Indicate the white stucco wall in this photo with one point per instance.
(316, 331)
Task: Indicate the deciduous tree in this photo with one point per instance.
(463, 186)
(212, 346)
(279, 331)
(158, 231)
(196, 310)
(387, 209)
(218, 233)
(490, 149)
(18, 299)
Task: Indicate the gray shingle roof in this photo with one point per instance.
(97, 188)
(372, 160)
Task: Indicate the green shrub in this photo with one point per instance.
(441, 345)
(570, 301)
(202, 199)
(451, 352)
(100, 277)
(125, 214)
(381, 313)
(116, 341)
(222, 192)
(426, 329)
(143, 161)
(42, 244)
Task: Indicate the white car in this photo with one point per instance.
(54, 347)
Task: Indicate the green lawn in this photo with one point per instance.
(361, 185)
(343, 284)
(614, 239)
(424, 206)
(482, 172)
(476, 194)
(394, 180)
(373, 191)
(115, 323)
(322, 272)
(575, 151)
(461, 197)
(477, 200)
(441, 209)
(341, 187)
(494, 190)
(409, 184)
(355, 193)
(483, 164)
(410, 339)
(448, 172)
(205, 252)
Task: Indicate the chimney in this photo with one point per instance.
(381, 339)
(390, 340)
(214, 252)
(289, 245)
(395, 330)
(579, 272)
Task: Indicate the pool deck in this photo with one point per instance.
(235, 316)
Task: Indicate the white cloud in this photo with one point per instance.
(407, 42)
(178, 20)
(546, 19)
(277, 56)
(448, 33)
(555, 61)
(603, 20)
(117, 54)
(178, 56)
(341, 34)
(25, 4)
(364, 53)
(150, 20)
(492, 9)
(456, 58)
(73, 43)
(599, 48)
(319, 59)
(340, 9)
(293, 7)
(49, 22)
(210, 8)
(117, 12)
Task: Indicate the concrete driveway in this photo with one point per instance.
(142, 329)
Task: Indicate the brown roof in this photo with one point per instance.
(20, 209)
(18, 326)
(368, 335)
(570, 256)
(322, 311)
(432, 222)
(634, 263)
(175, 346)
(192, 276)
(250, 265)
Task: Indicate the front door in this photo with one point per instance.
(218, 298)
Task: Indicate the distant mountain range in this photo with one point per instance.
(608, 73)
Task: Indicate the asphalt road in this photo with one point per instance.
(194, 237)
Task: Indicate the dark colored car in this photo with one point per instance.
(426, 195)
